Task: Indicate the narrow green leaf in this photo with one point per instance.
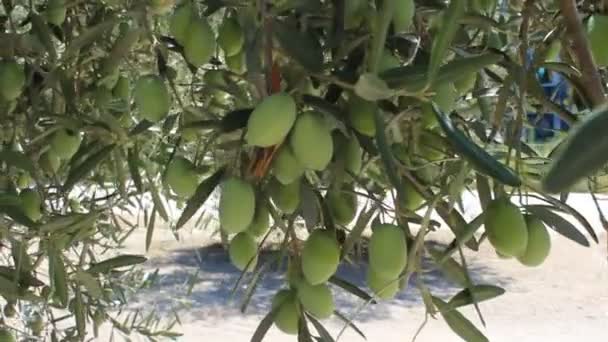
(427, 297)
(120, 172)
(414, 78)
(328, 219)
(323, 333)
(9, 200)
(351, 288)
(457, 224)
(252, 286)
(17, 215)
(150, 229)
(116, 262)
(69, 223)
(480, 21)
(22, 260)
(158, 202)
(25, 278)
(380, 21)
(88, 37)
(583, 153)
(264, 325)
(322, 105)
(18, 160)
(558, 223)
(42, 32)
(169, 123)
(483, 189)
(478, 157)
(164, 333)
(355, 233)
(480, 294)
(463, 237)
(301, 46)
(350, 324)
(458, 323)
(90, 283)
(84, 151)
(303, 332)
(58, 275)
(141, 127)
(132, 163)
(200, 197)
(567, 209)
(235, 119)
(309, 205)
(214, 124)
(372, 88)
(8, 6)
(456, 186)
(213, 6)
(450, 268)
(445, 34)
(386, 155)
(122, 47)
(79, 315)
(116, 324)
(78, 172)
(8, 288)
(459, 68)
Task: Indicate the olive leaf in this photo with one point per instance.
(372, 88)
(450, 20)
(582, 155)
(558, 223)
(301, 46)
(475, 294)
(458, 323)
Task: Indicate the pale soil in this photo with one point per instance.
(566, 299)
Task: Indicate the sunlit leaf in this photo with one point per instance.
(480, 294)
(372, 88)
(558, 223)
(450, 19)
(458, 323)
(79, 171)
(583, 154)
(116, 262)
(478, 157)
(18, 159)
(58, 275)
(200, 196)
(351, 288)
(323, 333)
(264, 325)
(90, 283)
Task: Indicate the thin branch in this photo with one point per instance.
(591, 79)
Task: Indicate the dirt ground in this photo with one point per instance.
(565, 299)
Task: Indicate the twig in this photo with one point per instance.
(591, 80)
(603, 220)
(422, 325)
(267, 31)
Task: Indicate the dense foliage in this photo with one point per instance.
(328, 115)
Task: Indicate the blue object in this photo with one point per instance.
(546, 124)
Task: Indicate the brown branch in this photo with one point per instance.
(590, 78)
(267, 32)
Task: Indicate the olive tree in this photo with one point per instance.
(331, 116)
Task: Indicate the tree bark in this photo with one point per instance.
(592, 82)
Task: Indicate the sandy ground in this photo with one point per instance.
(566, 299)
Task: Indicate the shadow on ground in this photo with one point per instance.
(202, 280)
